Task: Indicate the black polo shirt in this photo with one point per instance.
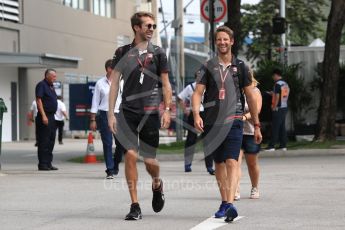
(142, 88)
(219, 111)
(48, 96)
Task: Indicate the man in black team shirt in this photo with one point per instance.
(144, 70)
(223, 80)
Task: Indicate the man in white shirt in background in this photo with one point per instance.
(60, 116)
(33, 114)
(100, 107)
(184, 98)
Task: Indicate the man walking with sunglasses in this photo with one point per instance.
(144, 70)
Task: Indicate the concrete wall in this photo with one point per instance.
(309, 57)
(54, 28)
(7, 75)
(49, 27)
(9, 40)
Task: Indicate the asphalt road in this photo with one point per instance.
(302, 191)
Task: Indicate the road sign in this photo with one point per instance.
(220, 11)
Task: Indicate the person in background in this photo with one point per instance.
(33, 114)
(100, 107)
(46, 100)
(280, 96)
(60, 115)
(184, 98)
(249, 147)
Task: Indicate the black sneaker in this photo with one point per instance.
(158, 198)
(110, 174)
(134, 213)
(211, 171)
(53, 168)
(188, 168)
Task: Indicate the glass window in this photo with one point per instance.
(9, 10)
(102, 7)
(109, 8)
(96, 7)
(67, 2)
(77, 4)
(105, 8)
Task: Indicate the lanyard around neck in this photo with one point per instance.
(223, 77)
(143, 65)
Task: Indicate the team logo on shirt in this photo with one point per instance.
(234, 69)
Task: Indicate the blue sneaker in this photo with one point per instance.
(222, 210)
(231, 213)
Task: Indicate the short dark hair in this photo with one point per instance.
(277, 71)
(136, 18)
(108, 64)
(48, 71)
(224, 29)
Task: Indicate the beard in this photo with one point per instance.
(224, 50)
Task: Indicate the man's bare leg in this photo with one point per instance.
(232, 172)
(152, 167)
(131, 173)
(221, 177)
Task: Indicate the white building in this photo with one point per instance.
(73, 36)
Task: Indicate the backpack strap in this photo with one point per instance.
(241, 74)
(191, 85)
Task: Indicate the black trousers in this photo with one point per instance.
(46, 140)
(192, 138)
(278, 128)
(59, 127)
(36, 132)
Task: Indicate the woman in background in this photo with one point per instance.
(249, 147)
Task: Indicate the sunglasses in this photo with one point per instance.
(149, 26)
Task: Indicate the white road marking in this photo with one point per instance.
(213, 223)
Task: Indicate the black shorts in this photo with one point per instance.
(223, 142)
(133, 126)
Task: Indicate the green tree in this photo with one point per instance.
(234, 22)
(303, 17)
(330, 73)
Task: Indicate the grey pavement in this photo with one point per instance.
(300, 189)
